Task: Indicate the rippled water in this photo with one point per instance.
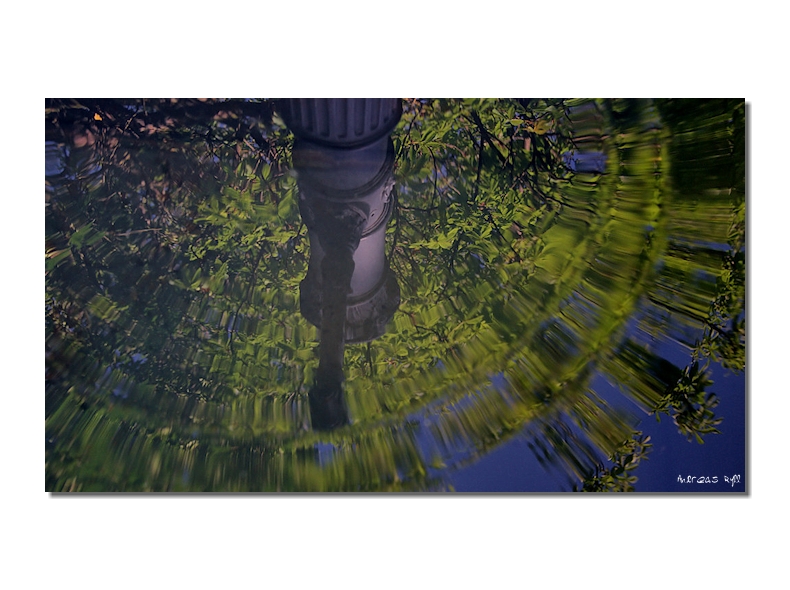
(526, 285)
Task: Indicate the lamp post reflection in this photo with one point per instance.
(344, 159)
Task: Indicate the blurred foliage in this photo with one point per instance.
(177, 358)
(619, 477)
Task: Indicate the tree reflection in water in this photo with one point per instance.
(531, 247)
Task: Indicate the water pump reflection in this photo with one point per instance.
(344, 160)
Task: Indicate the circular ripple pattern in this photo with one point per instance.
(538, 245)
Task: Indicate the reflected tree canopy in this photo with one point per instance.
(236, 301)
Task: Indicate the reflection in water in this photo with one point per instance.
(385, 299)
(344, 161)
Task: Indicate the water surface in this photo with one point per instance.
(488, 295)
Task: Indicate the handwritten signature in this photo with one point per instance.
(707, 479)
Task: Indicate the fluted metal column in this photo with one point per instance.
(341, 122)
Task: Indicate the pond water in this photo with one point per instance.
(395, 295)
